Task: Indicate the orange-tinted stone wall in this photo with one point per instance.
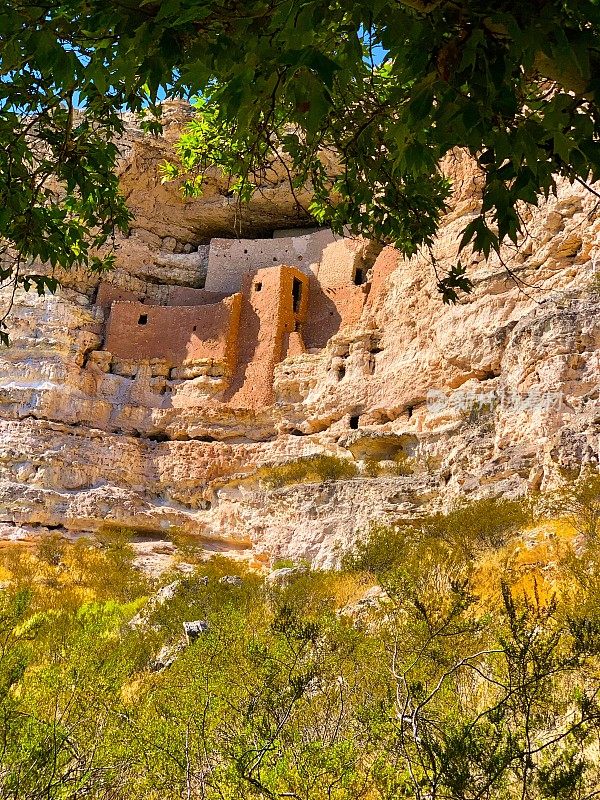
(177, 334)
(267, 320)
(386, 262)
(186, 296)
(108, 294)
(335, 300)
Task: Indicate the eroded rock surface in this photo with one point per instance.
(432, 402)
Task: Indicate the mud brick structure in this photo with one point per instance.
(179, 335)
(229, 260)
(263, 300)
(274, 307)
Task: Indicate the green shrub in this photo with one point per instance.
(311, 469)
(466, 529)
(489, 522)
(401, 465)
(51, 549)
(578, 501)
(383, 547)
(594, 284)
(282, 563)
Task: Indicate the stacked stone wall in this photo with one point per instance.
(269, 316)
(230, 260)
(335, 299)
(177, 334)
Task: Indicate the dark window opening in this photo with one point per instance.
(341, 372)
(359, 276)
(296, 294)
(409, 411)
(158, 437)
(354, 423)
(258, 286)
(143, 320)
(194, 328)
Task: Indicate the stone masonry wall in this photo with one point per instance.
(335, 300)
(109, 293)
(177, 334)
(230, 259)
(268, 317)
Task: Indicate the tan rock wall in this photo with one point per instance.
(492, 396)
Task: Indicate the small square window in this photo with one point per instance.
(258, 286)
(143, 320)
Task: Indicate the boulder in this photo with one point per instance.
(166, 656)
(231, 580)
(193, 629)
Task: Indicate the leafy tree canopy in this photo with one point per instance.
(358, 100)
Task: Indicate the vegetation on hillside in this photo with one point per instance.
(473, 672)
(316, 468)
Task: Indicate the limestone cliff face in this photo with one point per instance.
(491, 396)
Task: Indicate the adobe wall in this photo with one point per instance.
(284, 233)
(267, 322)
(186, 296)
(109, 293)
(385, 264)
(230, 259)
(176, 334)
(335, 300)
(339, 262)
(331, 309)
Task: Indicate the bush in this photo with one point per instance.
(578, 502)
(401, 465)
(468, 527)
(489, 522)
(311, 469)
(282, 563)
(383, 548)
(51, 549)
(594, 284)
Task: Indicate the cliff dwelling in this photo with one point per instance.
(260, 301)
